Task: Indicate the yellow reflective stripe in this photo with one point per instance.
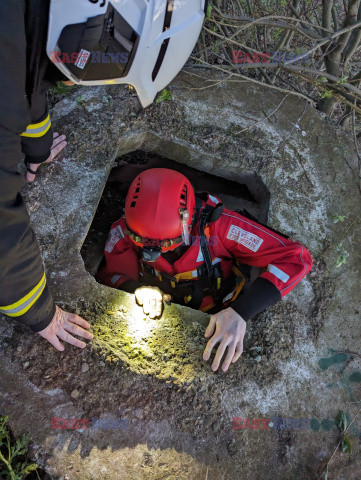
(188, 299)
(208, 307)
(185, 275)
(241, 283)
(35, 130)
(24, 304)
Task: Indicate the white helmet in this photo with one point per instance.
(144, 43)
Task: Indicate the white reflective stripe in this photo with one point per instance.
(213, 199)
(229, 296)
(216, 260)
(194, 273)
(200, 256)
(115, 278)
(115, 235)
(278, 273)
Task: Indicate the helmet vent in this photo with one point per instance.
(183, 196)
(135, 194)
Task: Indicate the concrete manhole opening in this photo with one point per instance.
(247, 192)
(170, 347)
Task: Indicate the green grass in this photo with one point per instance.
(14, 464)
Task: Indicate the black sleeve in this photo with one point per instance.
(37, 139)
(260, 295)
(130, 286)
(24, 294)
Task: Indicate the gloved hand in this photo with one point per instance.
(228, 329)
(151, 299)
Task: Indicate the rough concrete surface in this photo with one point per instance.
(178, 413)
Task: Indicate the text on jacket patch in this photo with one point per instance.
(248, 239)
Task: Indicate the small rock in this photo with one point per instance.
(138, 413)
(101, 363)
(19, 348)
(216, 426)
(74, 393)
(232, 447)
(258, 358)
(25, 365)
(85, 368)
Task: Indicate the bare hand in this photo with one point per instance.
(60, 326)
(151, 298)
(228, 329)
(58, 144)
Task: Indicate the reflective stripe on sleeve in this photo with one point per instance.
(280, 274)
(37, 129)
(24, 304)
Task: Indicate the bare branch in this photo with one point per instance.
(268, 21)
(253, 80)
(327, 6)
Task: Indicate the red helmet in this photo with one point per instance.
(159, 209)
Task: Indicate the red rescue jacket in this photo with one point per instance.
(231, 238)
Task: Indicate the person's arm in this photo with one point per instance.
(285, 262)
(37, 138)
(24, 294)
(121, 267)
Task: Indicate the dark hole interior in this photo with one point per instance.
(247, 192)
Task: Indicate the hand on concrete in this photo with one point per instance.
(228, 329)
(151, 299)
(60, 326)
(58, 144)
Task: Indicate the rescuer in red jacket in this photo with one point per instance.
(172, 245)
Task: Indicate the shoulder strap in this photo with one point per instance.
(206, 216)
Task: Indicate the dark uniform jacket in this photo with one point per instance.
(25, 130)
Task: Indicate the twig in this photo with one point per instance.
(339, 443)
(264, 119)
(253, 80)
(266, 21)
(349, 352)
(294, 68)
(357, 149)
